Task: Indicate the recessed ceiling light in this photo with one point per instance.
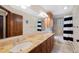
(24, 6)
(66, 7)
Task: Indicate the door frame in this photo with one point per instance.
(4, 14)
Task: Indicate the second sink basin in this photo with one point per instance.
(19, 48)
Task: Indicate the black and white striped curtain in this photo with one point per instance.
(39, 25)
(68, 29)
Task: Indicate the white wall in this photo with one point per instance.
(58, 26)
(76, 23)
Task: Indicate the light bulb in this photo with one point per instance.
(65, 7)
(23, 6)
(43, 14)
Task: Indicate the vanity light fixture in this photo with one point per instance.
(43, 14)
(65, 7)
(24, 6)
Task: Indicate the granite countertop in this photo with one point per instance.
(35, 39)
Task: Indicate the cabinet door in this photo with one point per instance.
(14, 24)
(48, 44)
(36, 50)
(44, 47)
(52, 42)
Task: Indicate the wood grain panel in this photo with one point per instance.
(13, 27)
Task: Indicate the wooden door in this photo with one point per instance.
(14, 24)
(17, 25)
(1, 27)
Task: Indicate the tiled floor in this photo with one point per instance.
(62, 47)
(56, 47)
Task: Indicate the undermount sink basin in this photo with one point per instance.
(20, 47)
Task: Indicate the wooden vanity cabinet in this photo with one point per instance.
(37, 49)
(52, 42)
(49, 44)
(45, 47)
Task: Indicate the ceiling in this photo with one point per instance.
(58, 9)
(36, 9)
